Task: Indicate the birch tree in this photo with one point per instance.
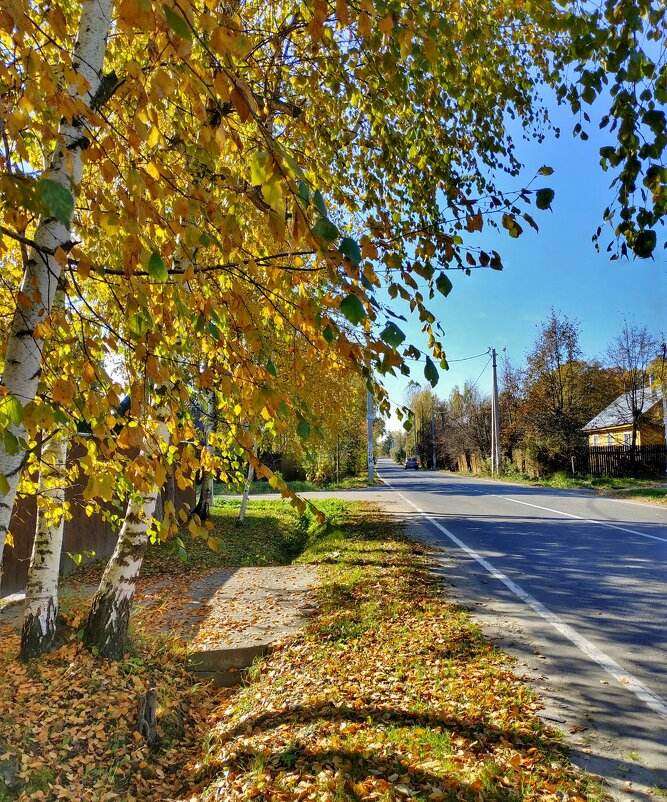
(57, 190)
(106, 627)
(41, 606)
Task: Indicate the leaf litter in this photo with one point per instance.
(389, 694)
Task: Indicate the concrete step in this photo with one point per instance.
(226, 667)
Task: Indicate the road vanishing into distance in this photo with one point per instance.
(575, 585)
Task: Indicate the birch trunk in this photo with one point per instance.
(23, 357)
(107, 625)
(203, 507)
(41, 596)
(244, 498)
(246, 491)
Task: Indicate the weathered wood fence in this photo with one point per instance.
(81, 533)
(641, 461)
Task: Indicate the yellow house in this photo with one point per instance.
(613, 426)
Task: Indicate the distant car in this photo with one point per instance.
(411, 462)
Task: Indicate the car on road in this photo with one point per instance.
(411, 462)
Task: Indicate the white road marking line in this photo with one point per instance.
(586, 520)
(624, 678)
(571, 515)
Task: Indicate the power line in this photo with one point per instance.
(466, 358)
(450, 361)
(481, 374)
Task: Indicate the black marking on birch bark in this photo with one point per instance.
(80, 143)
(14, 471)
(35, 642)
(107, 625)
(108, 85)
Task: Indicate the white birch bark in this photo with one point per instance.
(23, 357)
(246, 491)
(244, 498)
(41, 596)
(107, 625)
(203, 506)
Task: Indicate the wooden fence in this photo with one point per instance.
(81, 534)
(641, 461)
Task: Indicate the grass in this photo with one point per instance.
(611, 485)
(263, 487)
(274, 533)
(655, 495)
(391, 694)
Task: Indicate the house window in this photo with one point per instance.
(596, 440)
(627, 438)
(610, 440)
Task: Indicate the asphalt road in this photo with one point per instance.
(574, 582)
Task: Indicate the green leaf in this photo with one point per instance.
(177, 23)
(431, 372)
(318, 200)
(58, 201)
(12, 408)
(284, 411)
(303, 429)
(443, 284)
(348, 247)
(139, 324)
(304, 192)
(11, 443)
(325, 231)
(353, 309)
(392, 335)
(157, 268)
(271, 368)
(543, 198)
(76, 558)
(545, 170)
(328, 334)
(4, 485)
(644, 244)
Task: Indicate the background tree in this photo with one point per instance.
(512, 412)
(632, 351)
(562, 393)
(466, 425)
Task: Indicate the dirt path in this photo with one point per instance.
(218, 609)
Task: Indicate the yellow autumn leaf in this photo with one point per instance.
(63, 391)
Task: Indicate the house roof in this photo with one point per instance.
(619, 413)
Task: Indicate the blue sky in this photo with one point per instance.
(557, 267)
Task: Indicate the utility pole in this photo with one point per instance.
(369, 418)
(495, 419)
(433, 437)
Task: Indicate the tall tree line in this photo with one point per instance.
(544, 402)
